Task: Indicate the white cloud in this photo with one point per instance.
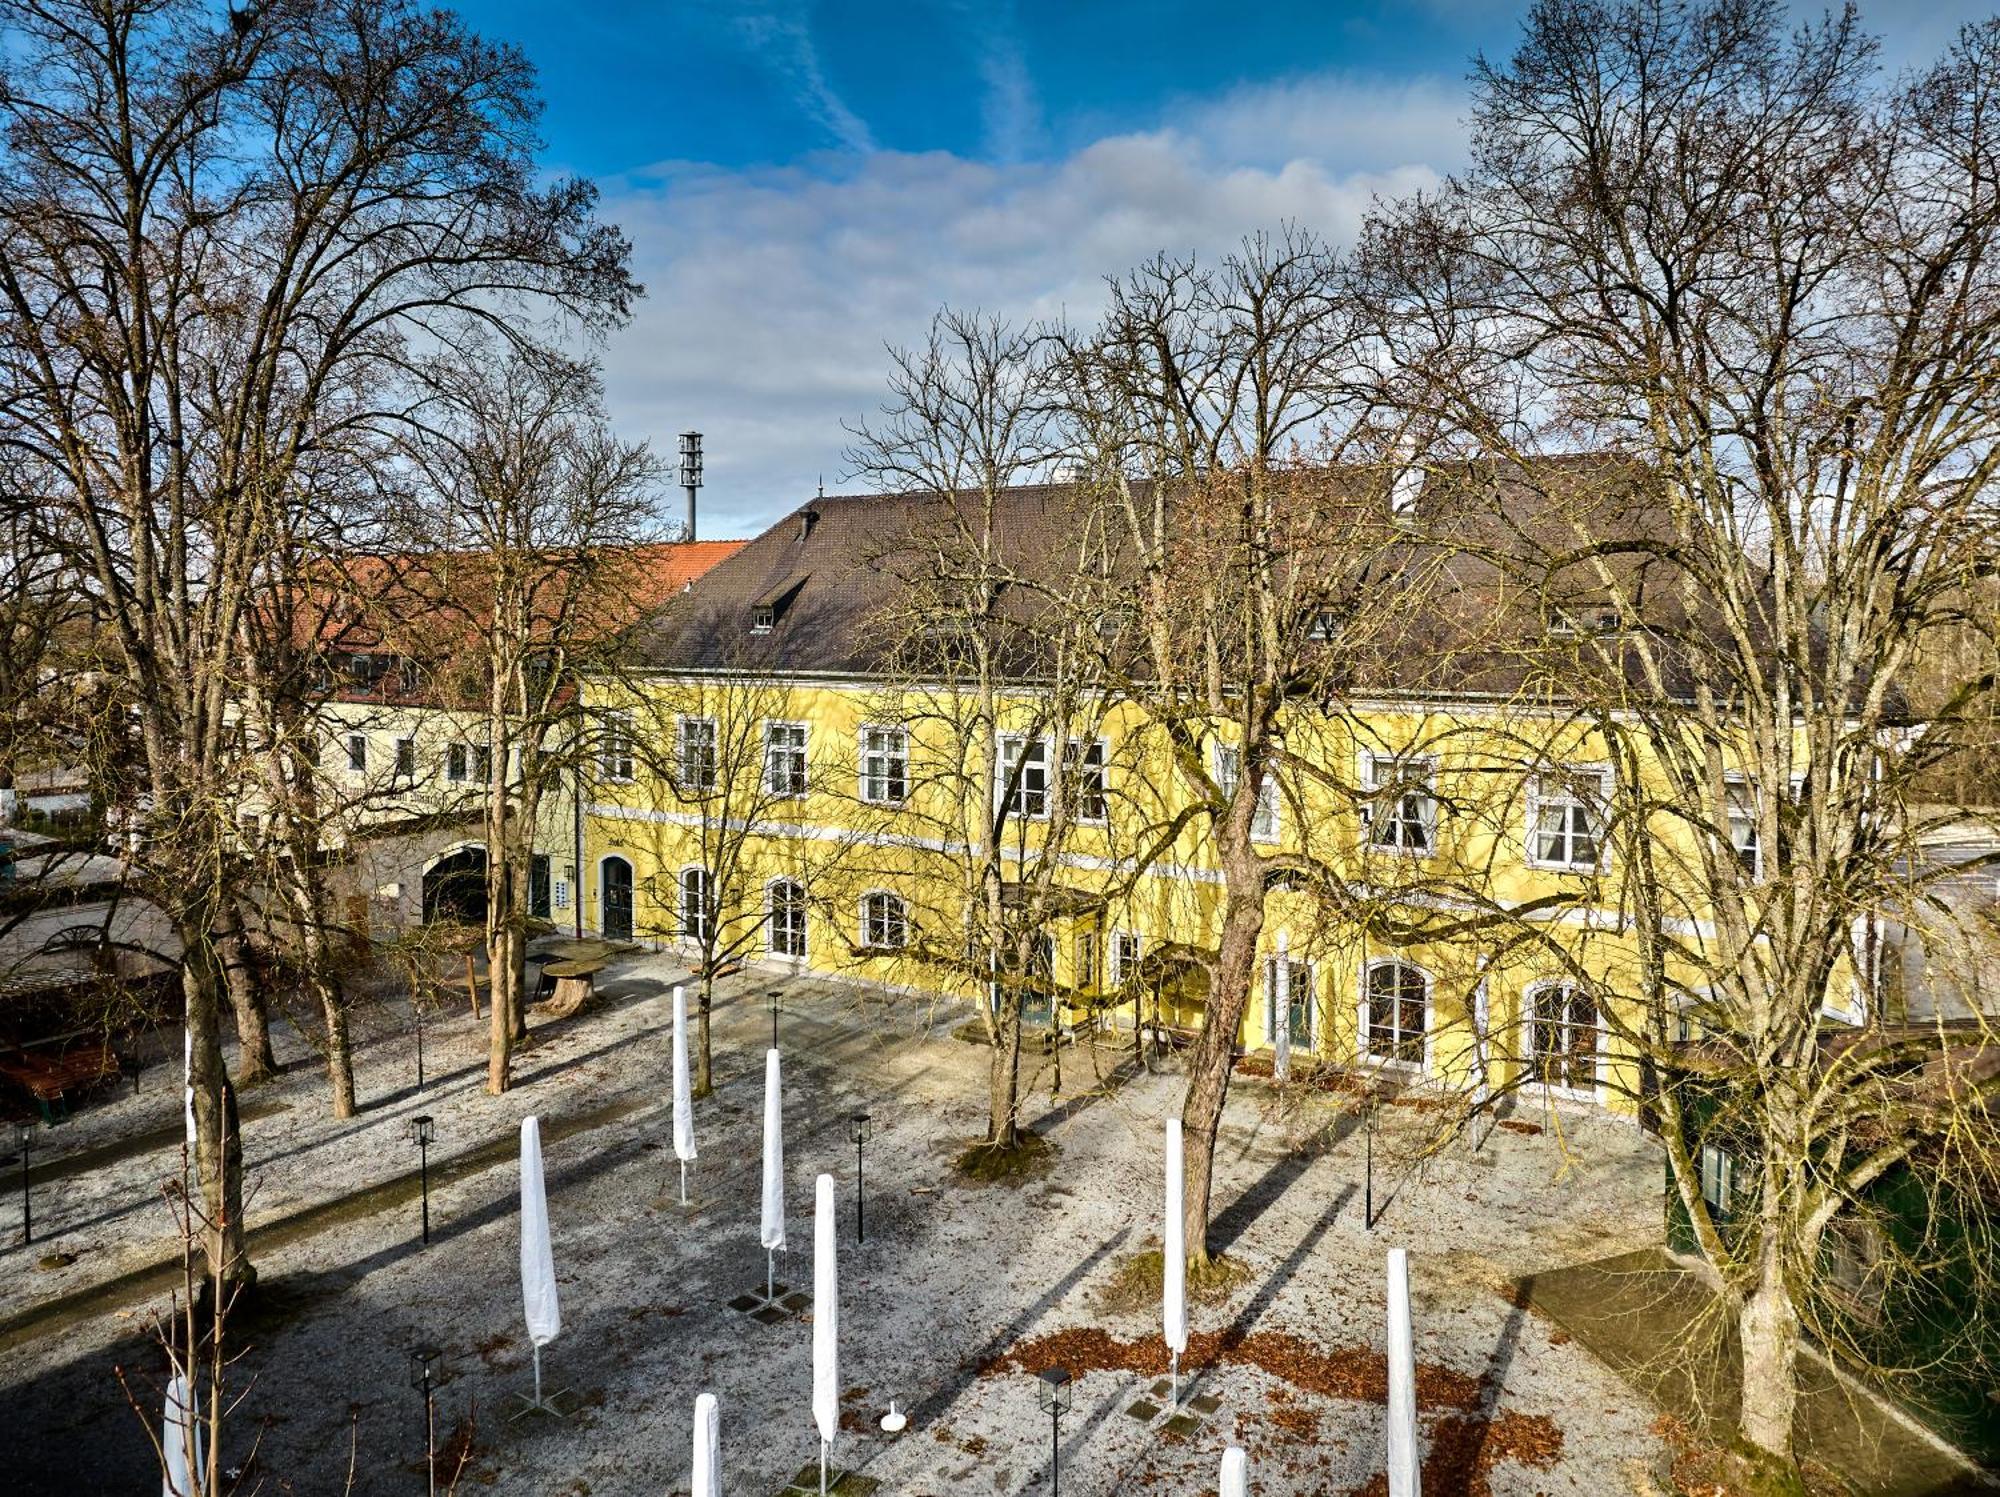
(782, 37)
(773, 291)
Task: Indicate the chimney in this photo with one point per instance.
(690, 474)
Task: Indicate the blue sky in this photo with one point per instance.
(804, 183)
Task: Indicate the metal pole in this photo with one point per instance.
(418, 1010)
(770, 1274)
(430, 1434)
(684, 1182)
(424, 1172)
(822, 1468)
(860, 1221)
(1368, 1195)
(1055, 1449)
(27, 1203)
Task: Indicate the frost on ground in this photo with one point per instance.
(959, 1297)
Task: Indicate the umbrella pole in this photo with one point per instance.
(770, 1274)
(538, 1375)
(1174, 1372)
(684, 1182)
(822, 1468)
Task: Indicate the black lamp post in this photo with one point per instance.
(24, 1135)
(417, 1011)
(423, 1128)
(774, 1018)
(425, 1365)
(858, 1128)
(1053, 1390)
(1368, 1142)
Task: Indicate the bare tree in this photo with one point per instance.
(215, 228)
(1228, 413)
(995, 664)
(1730, 256)
(532, 508)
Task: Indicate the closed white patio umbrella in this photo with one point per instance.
(1173, 1262)
(826, 1322)
(707, 1480)
(1404, 1477)
(683, 1093)
(180, 1441)
(1235, 1472)
(771, 1230)
(538, 1264)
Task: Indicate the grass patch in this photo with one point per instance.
(1136, 1284)
(1031, 1158)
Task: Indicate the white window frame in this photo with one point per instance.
(898, 917)
(704, 783)
(792, 787)
(1266, 825)
(1121, 963)
(404, 760)
(617, 763)
(693, 927)
(1532, 1026)
(1551, 788)
(357, 753)
(1380, 771)
(1281, 962)
(885, 767)
(1083, 762)
(796, 908)
(1718, 1180)
(1743, 810)
(1396, 1062)
(457, 763)
(1029, 797)
(1084, 962)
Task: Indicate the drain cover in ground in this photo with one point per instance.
(1205, 1405)
(771, 1315)
(1143, 1410)
(745, 1302)
(796, 1301)
(1182, 1424)
(1163, 1388)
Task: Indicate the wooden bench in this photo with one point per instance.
(50, 1079)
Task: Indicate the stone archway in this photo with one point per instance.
(455, 887)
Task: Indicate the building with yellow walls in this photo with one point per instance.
(775, 795)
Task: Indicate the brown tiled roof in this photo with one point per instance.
(835, 572)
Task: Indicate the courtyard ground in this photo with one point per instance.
(960, 1295)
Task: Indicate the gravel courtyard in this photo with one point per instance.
(960, 1295)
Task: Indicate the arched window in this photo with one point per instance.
(885, 921)
(697, 911)
(1562, 1036)
(787, 919)
(1398, 1010)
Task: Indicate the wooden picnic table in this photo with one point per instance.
(50, 1079)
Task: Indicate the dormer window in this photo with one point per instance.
(762, 618)
(1324, 628)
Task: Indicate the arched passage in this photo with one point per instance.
(455, 887)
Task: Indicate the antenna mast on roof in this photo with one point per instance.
(690, 474)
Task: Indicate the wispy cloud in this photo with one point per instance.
(782, 37)
(773, 291)
(1010, 112)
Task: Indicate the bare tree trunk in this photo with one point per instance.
(1768, 1325)
(1003, 1077)
(499, 1042)
(256, 1063)
(215, 1114)
(704, 1079)
(1214, 1052)
(327, 991)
